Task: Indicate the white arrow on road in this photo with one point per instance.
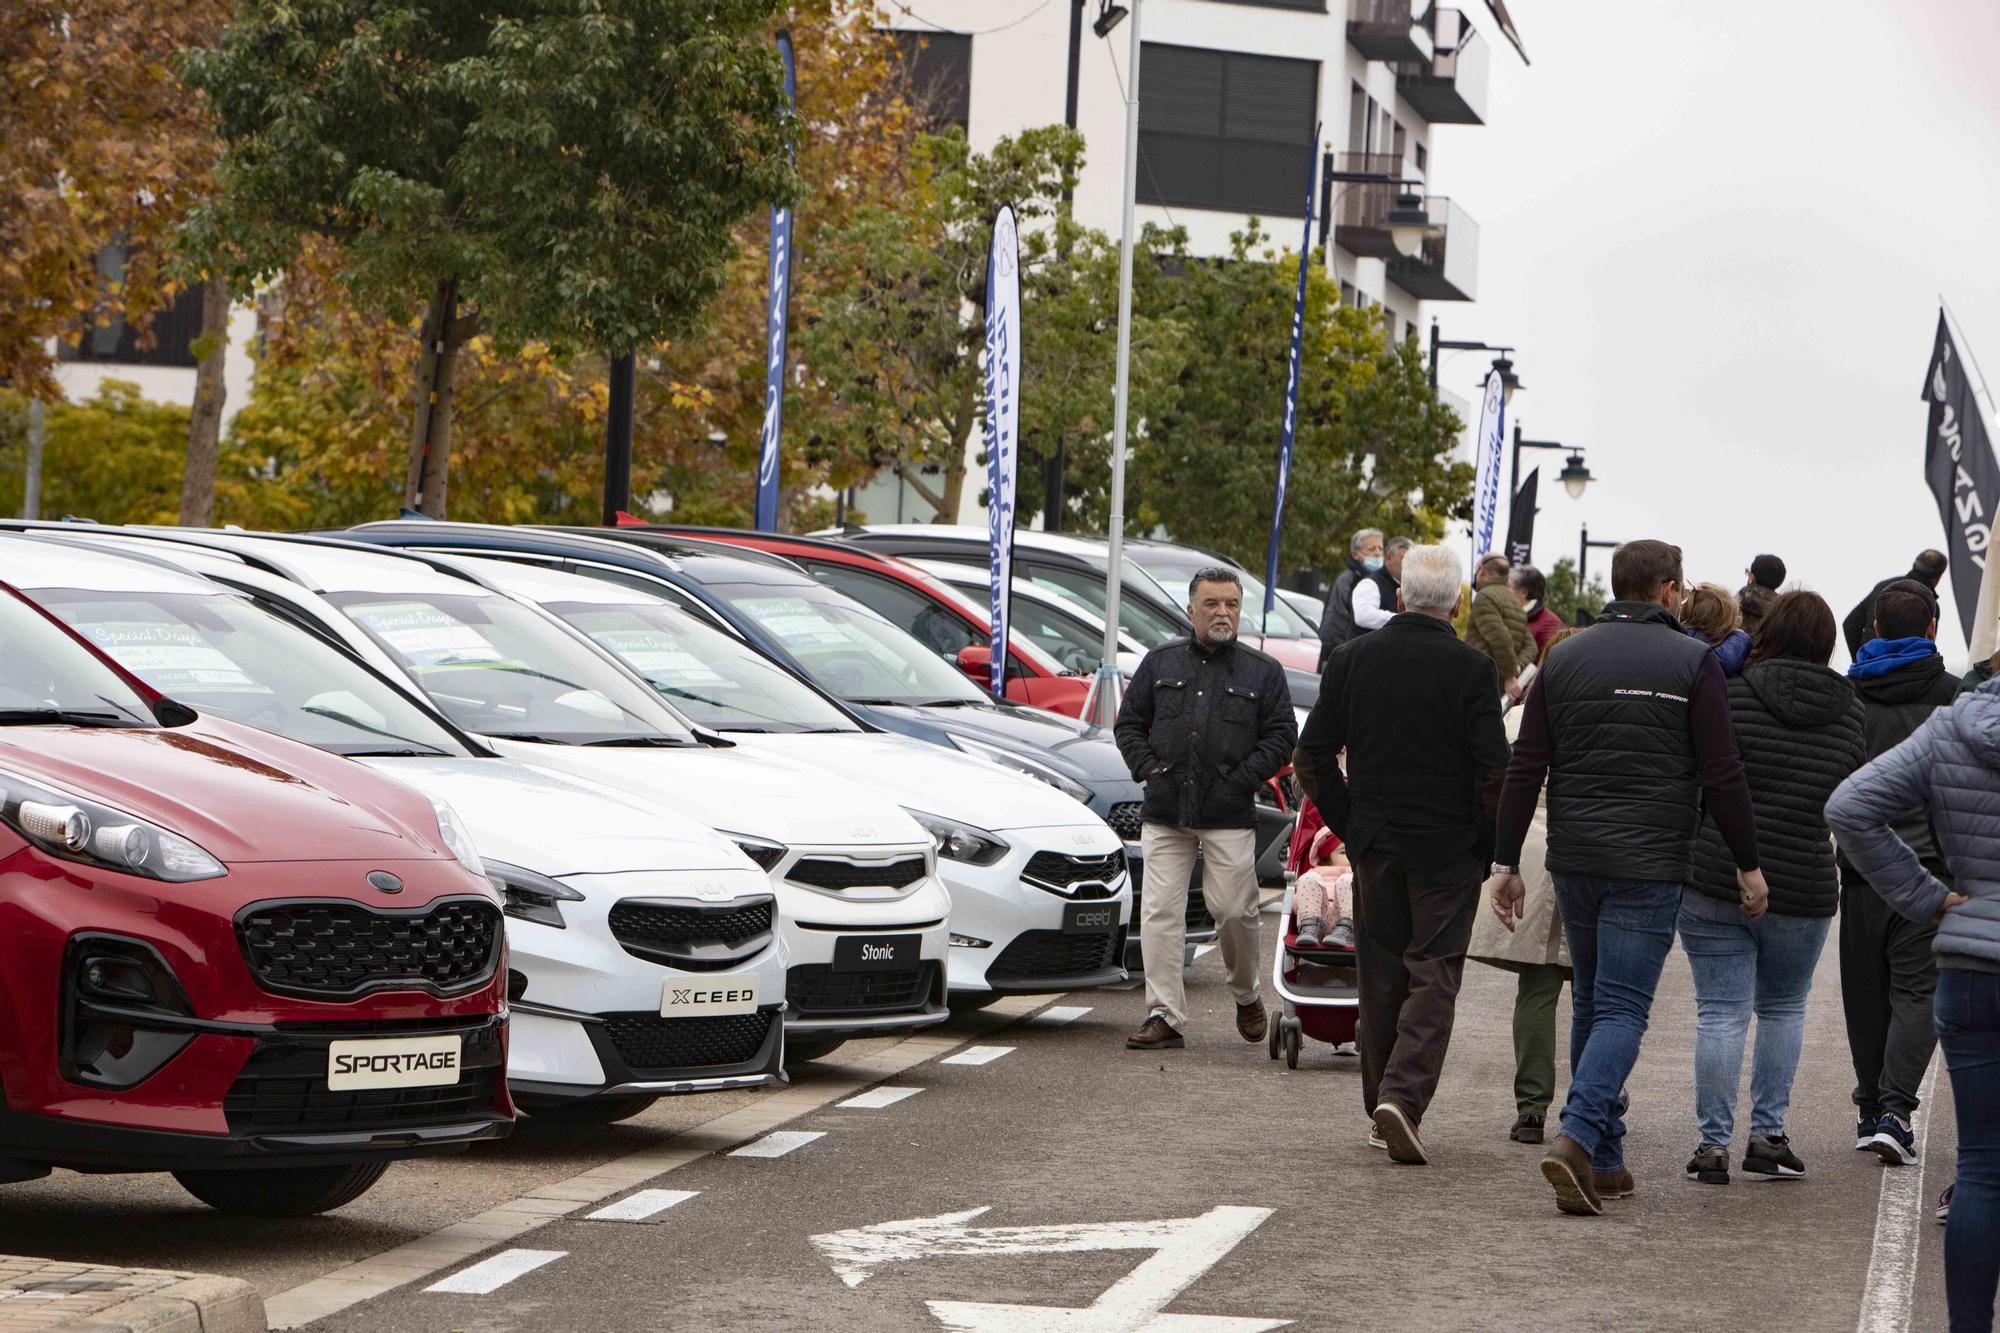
(1185, 1248)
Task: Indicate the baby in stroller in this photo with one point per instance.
(1325, 893)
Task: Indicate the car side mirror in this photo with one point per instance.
(976, 661)
(172, 712)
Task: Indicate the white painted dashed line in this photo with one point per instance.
(1888, 1296)
(780, 1143)
(1057, 1014)
(490, 1275)
(876, 1098)
(976, 1055)
(638, 1207)
(1203, 950)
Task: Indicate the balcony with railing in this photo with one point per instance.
(1448, 88)
(1390, 29)
(1360, 211)
(1447, 267)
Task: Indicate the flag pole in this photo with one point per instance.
(1986, 616)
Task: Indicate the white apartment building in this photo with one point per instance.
(1230, 92)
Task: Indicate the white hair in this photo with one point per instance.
(1360, 539)
(1432, 580)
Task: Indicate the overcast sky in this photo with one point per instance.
(1717, 235)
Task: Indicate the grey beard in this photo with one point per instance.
(1220, 634)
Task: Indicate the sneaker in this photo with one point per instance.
(1251, 1020)
(1944, 1204)
(1567, 1169)
(1894, 1142)
(1528, 1129)
(1343, 935)
(1308, 935)
(1772, 1158)
(1347, 1048)
(1864, 1134)
(1156, 1035)
(1375, 1139)
(1709, 1165)
(1399, 1134)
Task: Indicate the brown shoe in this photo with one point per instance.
(1613, 1184)
(1156, 1035)
(1399, 1132)
(1567, 1168)
(1252, 1021)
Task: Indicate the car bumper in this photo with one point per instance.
(829, 991)
(1008, 935)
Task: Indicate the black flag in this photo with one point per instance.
(1958, 463)
(1521, 521)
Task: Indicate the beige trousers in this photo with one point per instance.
(1228, 882)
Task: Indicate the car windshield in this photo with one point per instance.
(498, 668)
(1069, 643)
(1172, 569)
(221, 654)
(713, 678)
(1145, 625)
(852, 653)
(47, 677)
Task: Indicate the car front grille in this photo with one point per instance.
(282, 1087)
(816, 989)
(648, 1043)
(1058, 871)
(821, 872)
(1125, 819)
(345, 949)
(695, 937)
(1035, 954)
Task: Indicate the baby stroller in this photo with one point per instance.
(1318, 986)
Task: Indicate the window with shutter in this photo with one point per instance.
(1225, 130)
(938, 66)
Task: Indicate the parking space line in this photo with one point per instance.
(779, 1143)
(490, 1275)
(876, 1098)
(976, 1055)
(1900, 1210)
(1057, 1014)
(1203, 950)
(638, 1207)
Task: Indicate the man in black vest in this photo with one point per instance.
(1418, 713)
(1887, 973)
(1630, 724)
(1364, 559)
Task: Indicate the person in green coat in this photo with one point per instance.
(1498, 624)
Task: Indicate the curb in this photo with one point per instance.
(153, 1301)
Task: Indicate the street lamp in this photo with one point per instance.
(1108, 17)
(1409, 224)
(1574, 477)
(1510, 383)
(1584, 545)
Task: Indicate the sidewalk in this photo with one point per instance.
(42, 1294)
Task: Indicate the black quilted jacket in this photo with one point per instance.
(1800, 729)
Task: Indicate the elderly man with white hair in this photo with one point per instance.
(1418, 714)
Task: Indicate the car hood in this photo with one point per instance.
(737, 791)
(935, 780)
(556, 826)
(242, 795)
(1081, 752)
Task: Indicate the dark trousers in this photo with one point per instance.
(1887, 978)
(1411, 929)
(1536, 997)
(1968, 1027)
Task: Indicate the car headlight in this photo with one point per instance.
(763, 851)
(528, 896)
(961, 842)
(1028, 767)
(77, 829)
(456, 840)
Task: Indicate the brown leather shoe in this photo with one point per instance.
(1399, 1132)
(1156, 1035)
(1567, 1169)
(1252, 1021)
(1613, 1184)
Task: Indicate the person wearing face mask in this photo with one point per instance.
(1365, 558)
(1205, 722)
(1375, 595)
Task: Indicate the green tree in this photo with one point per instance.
(1565, 598)
(566, 171)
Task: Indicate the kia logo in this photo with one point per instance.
(384, 881)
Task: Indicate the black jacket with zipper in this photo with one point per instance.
(1893, 706)
(1203, 730)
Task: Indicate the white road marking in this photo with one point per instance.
(780, 1143)
(1185, 1248)
(1899, 1227)
(877, 1098)
(1057, 1014)
(1203, 950)
(492, 1274)
(976, 1055)
(640, 1206)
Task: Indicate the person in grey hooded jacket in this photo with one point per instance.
(1951, 766)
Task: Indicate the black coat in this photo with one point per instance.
(1859, 626)
(1203, 730)
(1418, 713)
(1336, 623)
(1800, 730)
(1894, 705)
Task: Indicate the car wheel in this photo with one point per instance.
(591, 1111)
(282, 1191)
(798, 1050)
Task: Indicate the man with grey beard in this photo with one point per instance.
(1205, 722)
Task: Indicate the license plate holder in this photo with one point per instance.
(1099, 917)
(394, 1062)
(717, 997)
(876, 953)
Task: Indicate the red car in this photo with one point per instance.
(913, 600)
(267, 969)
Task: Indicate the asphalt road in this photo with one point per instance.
(1255, 1196)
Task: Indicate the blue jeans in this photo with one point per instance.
(1740, 967)
(1967, 1012)
(1619, 932)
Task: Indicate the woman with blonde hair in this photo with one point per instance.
(1709, 613)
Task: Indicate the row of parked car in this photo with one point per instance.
(321, 850)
